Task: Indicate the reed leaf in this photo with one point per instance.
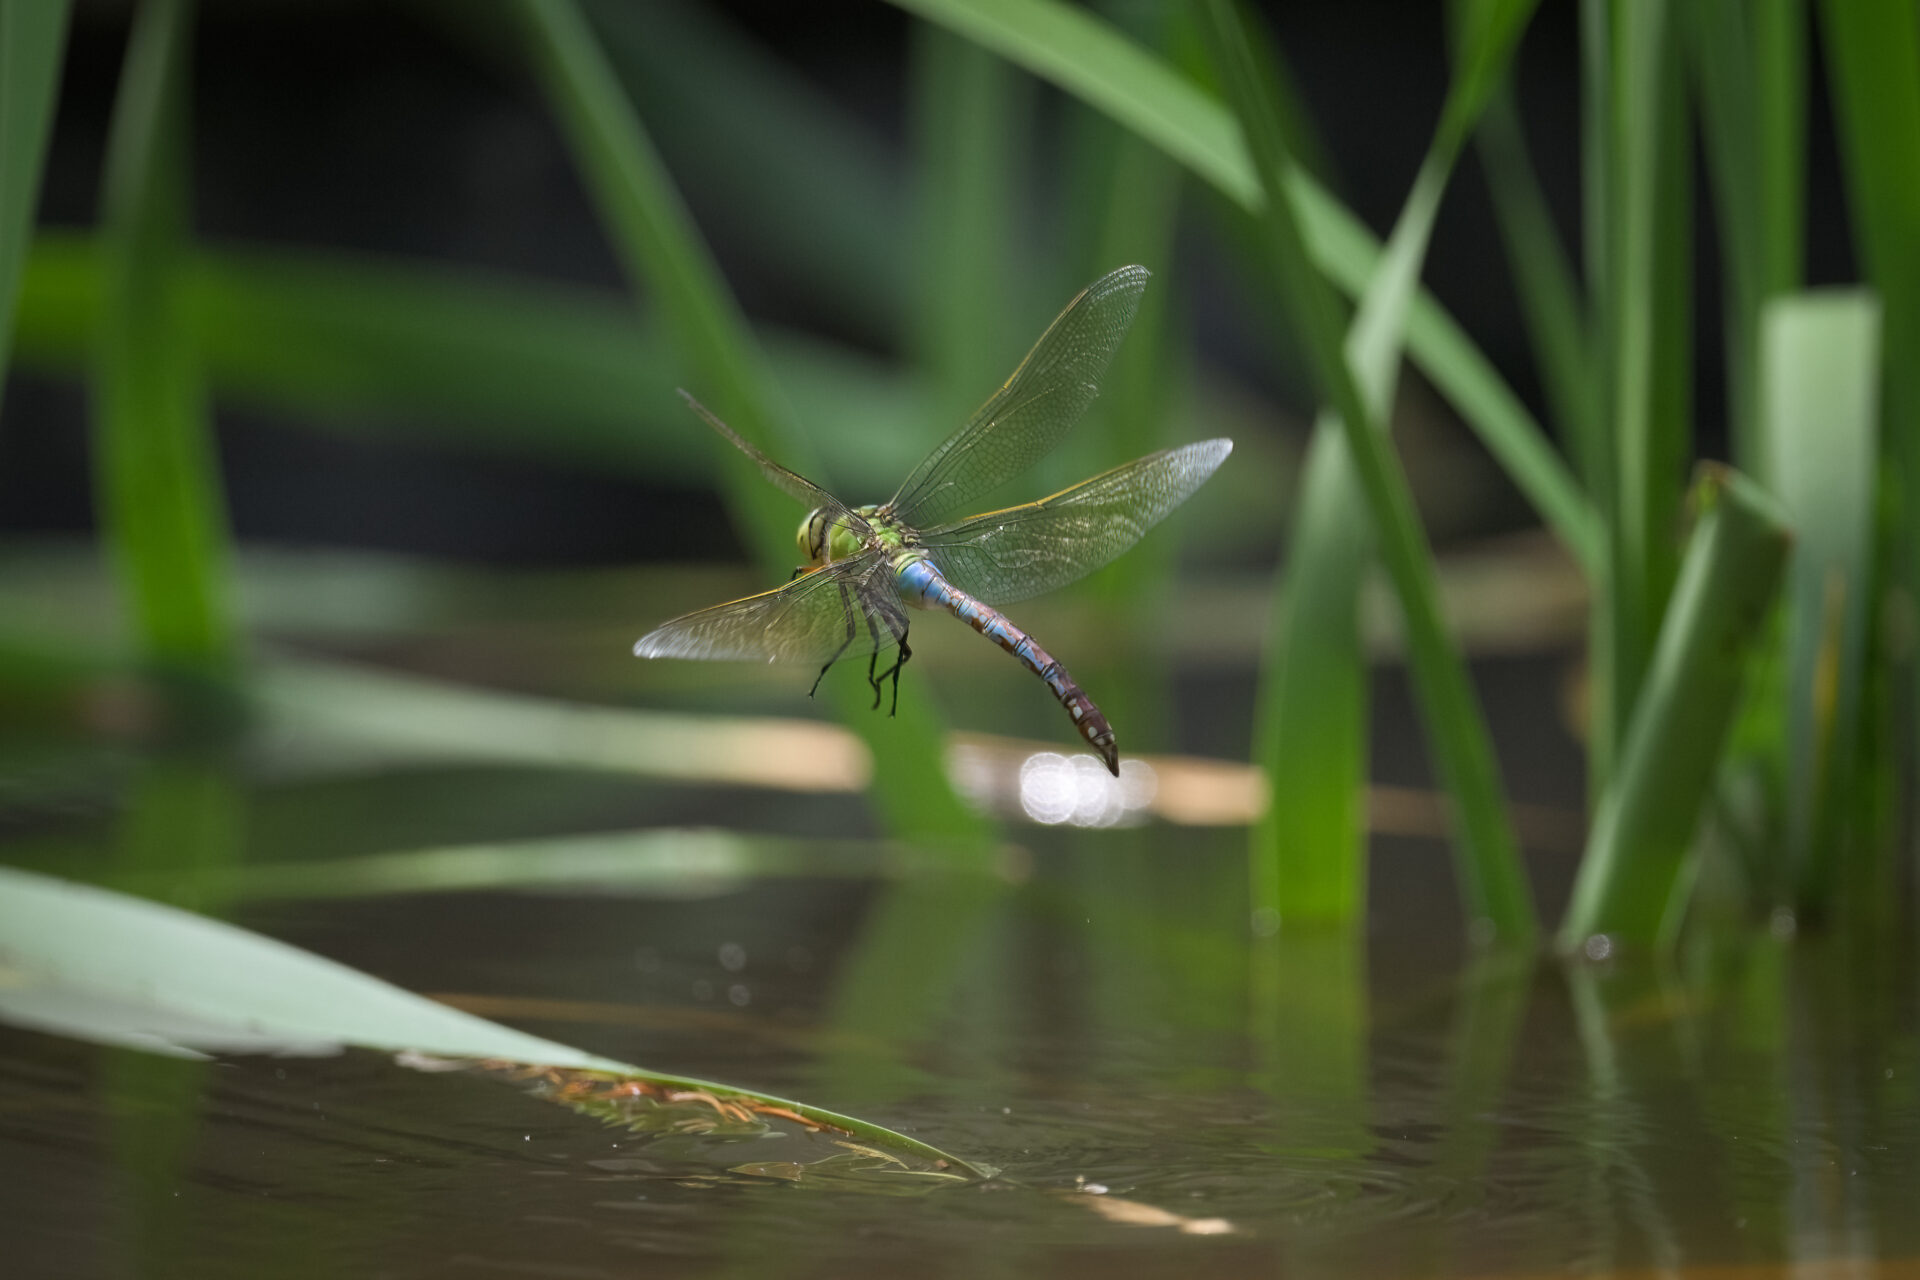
(1493, 886)
(500, 364)
(1873, 66)
(32, 39)
(1635, 876)
(156, 475)
(103, 966)
(1820, 420)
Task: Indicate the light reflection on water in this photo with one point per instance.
(1092, 1026)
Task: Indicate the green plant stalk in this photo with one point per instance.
(1493, 887)
(1820, 417)
(1635, 874)
(1543, 277)
(510, 365)
(32, 39)
(1308, 853)
(1780, 70)
(815, 195)
(1873, 65)
(1751, 73)
(156, 477)
(1640, 515)
(972, 116)
(664, 253)
(1089, 59)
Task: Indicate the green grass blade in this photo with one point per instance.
(1752, 94)
(812, 194)
(506, 364)
(1090, 60)
(972, 117)
(1543, 276)
(1873, 66)
(1492, 885)
(1638, 499)
(158, 484)
(1820, 410)
(1780, 71)
(169, 981)
(1308, 849)
(664, 254)
(1635, 876)
(33, 37)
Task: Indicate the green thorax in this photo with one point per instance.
(824, 540)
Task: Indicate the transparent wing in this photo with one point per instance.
(840, 611)
(1030, 413)
(1009, 555)
(790, 482)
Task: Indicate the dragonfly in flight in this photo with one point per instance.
(867, 565)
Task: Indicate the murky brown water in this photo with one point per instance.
(1165, 1095)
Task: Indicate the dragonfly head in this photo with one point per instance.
(814, 531)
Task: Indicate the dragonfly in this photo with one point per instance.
(867, 566)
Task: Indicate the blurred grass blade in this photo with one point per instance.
(1634, 878)
(518, 366)
(157, 477)
(1309, 850)
(1543, 276)
(811, 189)
(1493, 888)
(972, 120)
(92, 963)
(1750, 64)
(33, 37)
(1089, 59)
(664, 253)
(1873, 66)
(1820, 416)
(1645, 315)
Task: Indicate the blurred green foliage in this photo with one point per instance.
(940, 261)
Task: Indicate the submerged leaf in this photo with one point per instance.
(98, 965)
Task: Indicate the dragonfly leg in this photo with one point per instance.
(894, 671)
(846, 607)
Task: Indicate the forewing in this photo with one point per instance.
(1030, 413)
(790, 482)
(836, 612)
(1004, 556)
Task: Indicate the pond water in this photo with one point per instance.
(1165, 1093)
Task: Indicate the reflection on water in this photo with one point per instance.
(1104, 1032)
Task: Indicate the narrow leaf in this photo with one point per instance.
(32, 39)
(1820, 418)
(158, 483)
(1635, 875)
(100, 965)
(1492, 885)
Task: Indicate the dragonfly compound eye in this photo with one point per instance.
(813, 536)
